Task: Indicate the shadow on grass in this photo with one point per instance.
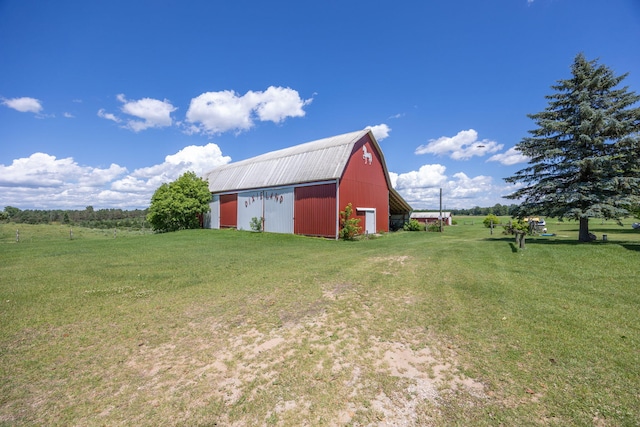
(534, 241)
(632, 246)
(613, 230)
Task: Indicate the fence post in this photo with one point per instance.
(17, 236)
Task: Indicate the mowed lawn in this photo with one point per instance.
(220, 327)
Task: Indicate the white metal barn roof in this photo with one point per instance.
(324, 159)
(321, 160)
(429, 215)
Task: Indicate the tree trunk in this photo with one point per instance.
(583, 235)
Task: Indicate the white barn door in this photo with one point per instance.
(249, 206)
(212, 219)
(278, 210)
(369, 220)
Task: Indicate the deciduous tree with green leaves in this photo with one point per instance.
(491, 220)
(176, 205)
(585, 153)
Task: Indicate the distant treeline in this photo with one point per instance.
(101, 218)
(136, 219)
(497, 209)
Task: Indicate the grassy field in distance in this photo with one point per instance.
(221, 327)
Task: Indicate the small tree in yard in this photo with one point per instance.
(520, 229)
(491, 219)
(585, 154)
(176, 206)
(349, 225)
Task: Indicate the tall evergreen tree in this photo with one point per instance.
(585, 153)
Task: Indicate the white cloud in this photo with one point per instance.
(38, 170)
(199, 159)
(509, 157)
(68, 115)
(421, 188)
(24, 104)
(217, 112)
(277, 103)
(108, 116)
(42, 181)
(42, 170)
(380, 131)
(153, 112)
(428, 176)
(463, 146)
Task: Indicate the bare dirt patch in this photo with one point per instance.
(391, 264)
(319, 365)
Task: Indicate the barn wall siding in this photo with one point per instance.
(315, 210)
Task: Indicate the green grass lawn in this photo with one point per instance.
(220, 327)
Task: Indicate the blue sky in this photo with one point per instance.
(102, 101)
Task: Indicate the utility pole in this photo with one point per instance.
(441, 210)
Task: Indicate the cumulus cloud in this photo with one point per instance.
(217, 112)
(43, 181)
(44, 170)
(428, 176)
(198, 159)
(380, 131)
(509, 157)
(24, 104)
(153, 112)
(421, 188)
(463, 146)
(277, 103)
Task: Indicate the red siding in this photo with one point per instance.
(364, 184)
(228, 210)
(315, 210)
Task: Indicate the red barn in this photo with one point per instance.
(302, 189)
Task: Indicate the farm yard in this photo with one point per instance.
(233, 328)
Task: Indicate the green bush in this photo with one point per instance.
(435, 227)
(491, 218)
(256, 224)
(412, 225)
(350, 226)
